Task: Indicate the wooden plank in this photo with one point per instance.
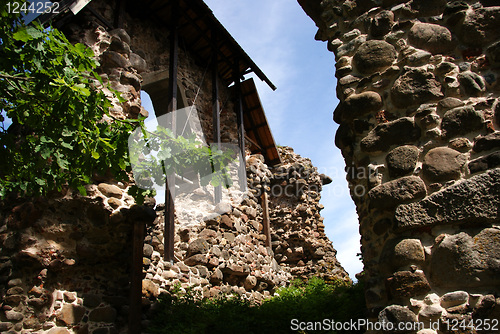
(242, 175)
(135, 314)
(265, 221)
(252, 141)
(169, 231)
(215, 107)
(101, 18)
(120, 13)
(257, 137)
(169, 223)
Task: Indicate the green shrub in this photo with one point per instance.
(313, 301)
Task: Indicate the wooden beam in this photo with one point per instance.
(238, 106)
(211, 41)
(265, 220)
(169, 231)
(253, 142)
(215, 106)
(252, 125)
(260, 125)
(135, 314)
(119, 13)
(101, 18)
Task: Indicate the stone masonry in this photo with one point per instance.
(65, 259)
(419, 116)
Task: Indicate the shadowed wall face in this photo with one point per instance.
(419, 115)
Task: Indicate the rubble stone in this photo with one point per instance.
(416, 86)
(431, 37)
(443, 164)
(373, 56)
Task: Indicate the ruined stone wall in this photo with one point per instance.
(65, 260)
(227, 254)
(419, 115)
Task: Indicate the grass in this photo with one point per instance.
(308, 302)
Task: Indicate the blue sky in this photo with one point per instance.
(279, 37)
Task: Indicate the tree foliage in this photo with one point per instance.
(314, 301)
(58, 136)
(62, 132)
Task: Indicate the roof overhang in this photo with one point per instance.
(197, 25)
(258, 132)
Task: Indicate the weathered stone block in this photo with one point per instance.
(349, 48)
(461, 121)
(408, 284)
(237, 270)
(358, 105)
(147, 250)
(488, 142)
(373, 56)
(462, 145)
(423, 8)
(344, 138)
(226, 222)
(407, 252)
(383, 136)
(471, 84)
(382, 23)
(449, 103)
(452, 299)
(480, 26)
(484, 163)
(149, 289)
(390, 194)
(122, 34)
(58, 330)
(119, 46)
(402, 160)
(114, 203)
(431, 37)
(198, 246)
(430, 313)
(493, 53)
(443, 164)
(250, 282)
(5, 326)
(113, 59)
(110, 190)
(396, 314)
(414, 87)
(14, 316)
(71, 314)
(473, 260)
(198, 259)
(216, 277)
(480, 192)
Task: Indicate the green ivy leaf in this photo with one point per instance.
(22, 35)
(67, 145)
(82, 190)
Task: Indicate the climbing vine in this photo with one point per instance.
(55, 125)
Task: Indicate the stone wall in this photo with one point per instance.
(227, 254)
(65, 260)
(419, 115)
